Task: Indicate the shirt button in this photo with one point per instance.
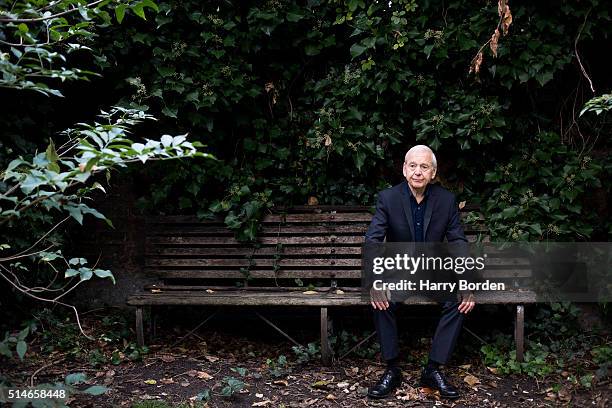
(418, 223)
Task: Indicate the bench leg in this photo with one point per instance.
(326, 352)
(153, 324)
(519, 332)
(139, 326)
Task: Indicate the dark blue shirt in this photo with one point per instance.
(418, 215)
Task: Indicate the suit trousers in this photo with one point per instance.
(444, 340)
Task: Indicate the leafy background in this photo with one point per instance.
(317, 102)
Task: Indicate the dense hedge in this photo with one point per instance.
(313, 101)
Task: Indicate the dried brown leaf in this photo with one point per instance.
(471, 380)
(494, 41)
(501, 5)
(476, 62)
(506, 20)
(312, 200)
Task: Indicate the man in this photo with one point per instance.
(417, 211)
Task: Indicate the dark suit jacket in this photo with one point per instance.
(393, 217)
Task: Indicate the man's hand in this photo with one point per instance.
(467, 303)
(379, 299)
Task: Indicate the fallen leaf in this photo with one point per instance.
(339, 292)
(167, 358)
(259, 395)
(320, 384)
(312, 200)
(310, 292)
(156, 290)
(342, 384)
(212, 359)
(261, 403)
(494, 370)
(210, 291)
(465, 366)
(150, 382)
(461, 205)
(166, 381)
(185, 384)
(330, 397)
(284, 383)
(430, 392)
(471, 380)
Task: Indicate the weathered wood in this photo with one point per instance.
(326, 353)
(519, 332)
(285, 240)
(139, 325)
(249, 251)
(265, 262)
(289, 229)
(335, 273)
(243, 298)
(256, 274)
(163, 287)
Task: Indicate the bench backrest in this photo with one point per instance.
(298, 245)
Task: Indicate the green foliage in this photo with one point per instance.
(538, 193)
(279, 367)
(16, 341)
(319, 102)
(598, 104)
(56, 185)
(39, 38)
(345, 341)
(232, 385)
(556, 345)
(305, 354)
(69, 385)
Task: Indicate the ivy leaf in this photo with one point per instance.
(102, 273)
(96, 390)
(75, 378)
(21, 349)
(120, 12)
(357, 50)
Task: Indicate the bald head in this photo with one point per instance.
(419, 168)
(422, 149)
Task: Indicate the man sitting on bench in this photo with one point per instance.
(415, 211)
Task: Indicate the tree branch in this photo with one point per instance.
(38, 19)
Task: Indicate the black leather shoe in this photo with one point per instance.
(434, 379)
(389, 381)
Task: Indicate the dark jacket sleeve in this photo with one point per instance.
(380, 222)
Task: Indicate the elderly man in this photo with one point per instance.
(417, 211)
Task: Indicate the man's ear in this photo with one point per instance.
(433, 173)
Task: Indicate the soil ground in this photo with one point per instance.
(180, 373)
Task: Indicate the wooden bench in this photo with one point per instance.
(201, 263)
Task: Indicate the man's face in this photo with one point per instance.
(418, 169)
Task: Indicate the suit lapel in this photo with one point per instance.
(407, 210)
(431, 202)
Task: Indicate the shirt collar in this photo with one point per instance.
(427, 190)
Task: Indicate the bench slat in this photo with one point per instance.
(302, 273)
(240, 297)
(246, 251)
